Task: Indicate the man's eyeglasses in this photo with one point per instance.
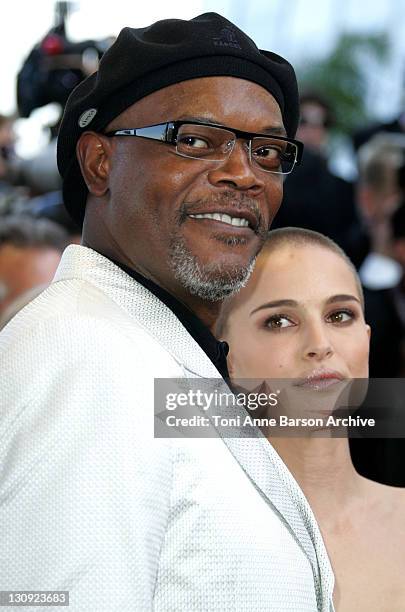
(212, 143)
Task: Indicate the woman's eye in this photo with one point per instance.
(278, 322)
(194, 142)
(341, 316)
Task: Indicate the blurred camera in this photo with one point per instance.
(56, 65)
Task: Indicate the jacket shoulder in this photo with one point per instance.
(72, 317)
(83, 339)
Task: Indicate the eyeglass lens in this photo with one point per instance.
(215, 144)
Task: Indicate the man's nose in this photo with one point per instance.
(236, 171)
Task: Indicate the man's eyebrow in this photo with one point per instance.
(277, 130)
(341, 297)
(275, 304)
(202, 119)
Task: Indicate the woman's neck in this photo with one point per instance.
(324, 470)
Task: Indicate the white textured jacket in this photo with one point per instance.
(92, 503)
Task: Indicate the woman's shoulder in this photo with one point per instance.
(387, 502)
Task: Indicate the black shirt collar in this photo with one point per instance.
(216, 351)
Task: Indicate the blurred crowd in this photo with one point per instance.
(366, 217)
(34, 226)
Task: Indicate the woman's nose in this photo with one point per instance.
(317, 343)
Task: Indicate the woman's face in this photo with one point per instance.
(300, 317)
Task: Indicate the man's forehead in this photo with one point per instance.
(210, 99)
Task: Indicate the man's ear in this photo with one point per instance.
(94, 155)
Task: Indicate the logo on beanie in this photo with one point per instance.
(87, 117)
(227, 38)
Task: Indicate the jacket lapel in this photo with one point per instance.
(271, 477)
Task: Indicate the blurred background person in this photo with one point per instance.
(398, 247)
(315, 122)
(7, 146)
(380, 190)
(364, 134)
(314, 197)
(381, 161)
(30, 251)
(10, 195)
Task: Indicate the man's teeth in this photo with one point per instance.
(236, 221)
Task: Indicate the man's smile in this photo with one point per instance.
(224, 218)
(244, 217)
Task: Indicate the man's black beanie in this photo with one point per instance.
(144, 60)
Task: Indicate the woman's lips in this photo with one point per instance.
(320, 379)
